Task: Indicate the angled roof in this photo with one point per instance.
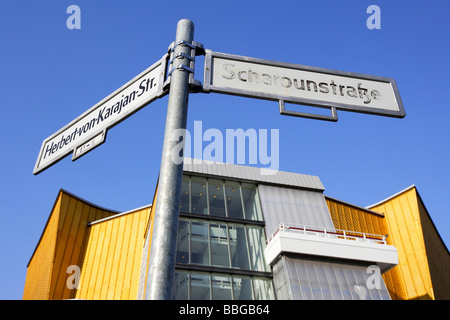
(391, 197)
(60, 245)
(252, 174)
(424, 260)
(367, 210)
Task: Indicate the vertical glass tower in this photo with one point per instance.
(221, 241)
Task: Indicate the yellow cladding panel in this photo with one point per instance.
(112, 260)
(410, 279)
(146, 252)
(348, 217)
(39, 270)
(60, 246)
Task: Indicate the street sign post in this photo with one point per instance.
(298, 84)
(89, 130)
(161, 267)
(223, 73)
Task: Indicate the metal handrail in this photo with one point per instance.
(328, 232)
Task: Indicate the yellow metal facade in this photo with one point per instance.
(424, 261)
(411, 278)
(348, 217)
(112, 249)
(40, 267)
(61, 245)
(112, 260)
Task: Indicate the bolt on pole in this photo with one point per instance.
(165, 226)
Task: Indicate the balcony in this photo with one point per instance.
(332, 243)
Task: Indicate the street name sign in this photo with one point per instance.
(298, 84)
(89, 130)
(223, 73)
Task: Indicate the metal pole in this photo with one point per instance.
(162, 253)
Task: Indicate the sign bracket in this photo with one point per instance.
(90, 145)
(283, 111)
(197, 49)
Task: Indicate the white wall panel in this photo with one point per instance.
(302, 207)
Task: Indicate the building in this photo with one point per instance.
(243, 235)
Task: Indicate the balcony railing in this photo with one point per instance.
(328, 233)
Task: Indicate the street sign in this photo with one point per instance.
(298, 84)
(223, 73)
(89, 130)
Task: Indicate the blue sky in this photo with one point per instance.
(50, 75)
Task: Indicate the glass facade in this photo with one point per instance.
(221, 244)
(220, 232)
(194, 285)
(302, 278)
(219, 198)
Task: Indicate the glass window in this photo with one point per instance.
(256, 247)
(220, 198)
(196, 285)
(221, 287)
(263, 289)
(302, 273)
(242, 288)
(294, 282)
(216, 198)
(219, 245)
(181, 285)
(238, 247)
(234, 202)
(185, 199)
(279, 280)
(333, 281)
(343, 284)
(315, 281)
(251, 202)
(199, 243)
(183, 241)
(320, 279)
(324, 282)
(200, 286)
(198, 195)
